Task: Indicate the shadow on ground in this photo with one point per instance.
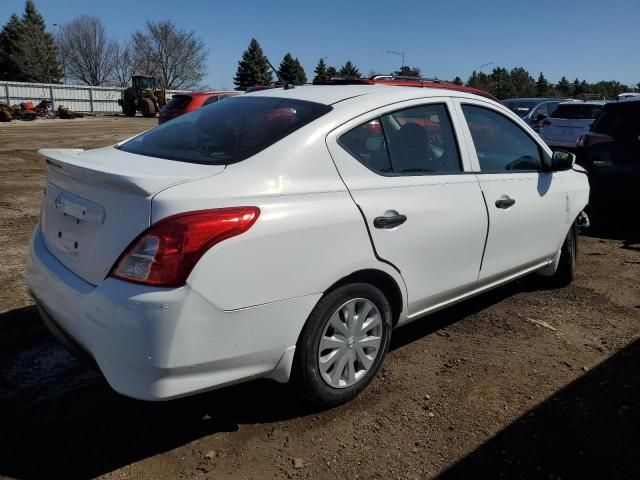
(61, 419)
(617, 222)
(588, 430)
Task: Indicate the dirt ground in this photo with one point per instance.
(524, 382)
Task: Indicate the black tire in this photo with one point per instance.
(129, 109)
(147, 107)
(566, 270)
(306, 369)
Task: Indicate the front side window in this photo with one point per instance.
(500, 144)
(413, 141)
(226, 132)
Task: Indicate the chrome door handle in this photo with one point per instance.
(505, 202)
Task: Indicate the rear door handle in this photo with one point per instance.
(390, 221)
(505, 202)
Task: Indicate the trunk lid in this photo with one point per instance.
(97, 202)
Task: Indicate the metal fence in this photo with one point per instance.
(80, 98)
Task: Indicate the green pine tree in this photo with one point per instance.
(253, 69)
(500, 84)
(457, 81)
(9, 37)
(286, 71)
(542, 86)
(563, 87)
(575, 88)
(321, 72)
(331, 72)
(36, 52)
(349, 70)
(585, 87)
(291, 71)
(523, 82)
(478, 80)
(406, 71)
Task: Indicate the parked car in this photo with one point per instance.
(533, 110)
(566, 123)
(182, 103)
(628, 96)
(610, 152)
(284, 233)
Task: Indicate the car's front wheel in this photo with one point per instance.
(343, 344)
(566, 270)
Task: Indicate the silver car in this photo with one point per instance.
(533, 110)
(570, 120)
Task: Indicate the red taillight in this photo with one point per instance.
(591, 138)
(165, 254)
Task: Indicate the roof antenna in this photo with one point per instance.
(286, 85)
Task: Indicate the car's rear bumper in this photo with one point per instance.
(161, 343)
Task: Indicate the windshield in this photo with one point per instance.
(520, 107)
(226, 132)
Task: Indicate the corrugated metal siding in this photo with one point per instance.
(80, 98)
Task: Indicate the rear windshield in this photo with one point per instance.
(619, 121)
(226, 132)
(179, 101)
(520, 107)
(577, 111)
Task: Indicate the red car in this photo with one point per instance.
(182, 103)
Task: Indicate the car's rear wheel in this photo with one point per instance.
(147, 107)
(343, 344)
(566, 270)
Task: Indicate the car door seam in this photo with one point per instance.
(364, 219)
(486, 237)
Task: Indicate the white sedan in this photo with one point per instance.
(285, 233)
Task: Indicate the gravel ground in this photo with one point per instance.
(523, 382)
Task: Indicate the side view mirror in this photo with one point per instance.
(562, 160)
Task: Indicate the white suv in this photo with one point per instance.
(284, 233)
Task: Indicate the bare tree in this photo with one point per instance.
(89, 54)
(174, 56)
(125, 65)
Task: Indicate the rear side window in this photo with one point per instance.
(179, 101)
(620, 121)
(500, 144)
(413, 141)
(366, 142)
(226, 132)
(577, 111)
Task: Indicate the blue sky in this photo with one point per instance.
(589, 39)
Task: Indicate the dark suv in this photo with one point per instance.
(610, 152)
